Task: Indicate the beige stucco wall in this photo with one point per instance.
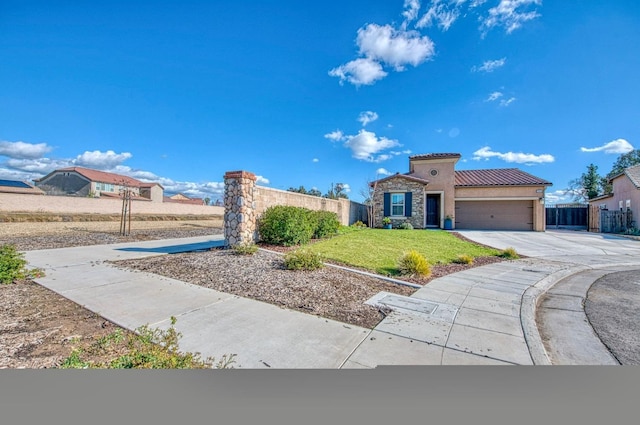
(623, 190)
(442, 182)
(10, 202)
(506, 193)
(348, 211)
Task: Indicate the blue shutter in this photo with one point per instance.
(387, 204)
(407, 204)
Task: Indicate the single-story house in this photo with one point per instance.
(181, 198)
(79, 181)
(18, 186)
(432, 190)
(625, 193)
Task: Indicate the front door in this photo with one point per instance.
(433, 210)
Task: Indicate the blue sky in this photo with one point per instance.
(316, 93)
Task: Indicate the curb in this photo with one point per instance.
(530, 301)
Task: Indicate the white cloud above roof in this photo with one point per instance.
(617, 146)
(23, 150)
(518, 157)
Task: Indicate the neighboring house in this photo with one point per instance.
(184, 199)
(86, 182)
(17, 186)
(625, 193)
(496, 199)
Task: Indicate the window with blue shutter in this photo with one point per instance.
(387, 204)
(407, 204)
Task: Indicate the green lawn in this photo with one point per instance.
(378, 250)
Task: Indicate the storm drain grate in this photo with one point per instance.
(408, 303)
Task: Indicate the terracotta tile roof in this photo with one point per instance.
(497, 177)
(117, 195)
(435, 155)
(103, 176)
(29, 190)
(148, 184)
(404, 176)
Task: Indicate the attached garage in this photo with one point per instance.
(494, 215)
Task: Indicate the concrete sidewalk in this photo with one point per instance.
(484, 315)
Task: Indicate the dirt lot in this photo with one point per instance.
(39, 328)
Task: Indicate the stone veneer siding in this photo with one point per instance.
(400, 184)
(239, 208)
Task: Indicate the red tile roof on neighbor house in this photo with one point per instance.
(633, 173)
(103, 176)
(497, 177)
(435, 156)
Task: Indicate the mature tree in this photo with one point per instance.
(589, 185)
(337, 191)
(314, 192)
(625, 160)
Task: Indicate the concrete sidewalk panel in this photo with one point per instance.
(419, 327)
(66, 279)
(497, 294)
(455, 357)
(263, 335)
(380, 349)
(486, 304)
(144, 300)
(492, 344)
(490, 321)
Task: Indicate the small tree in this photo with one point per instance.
(207, 201)
(337, 191)
(589, 185)
(625, 160)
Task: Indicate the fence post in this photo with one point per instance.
(239, 208)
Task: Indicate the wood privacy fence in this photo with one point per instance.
(567, 215)
(606, 221)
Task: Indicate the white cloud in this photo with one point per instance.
(362, 71)
(366, 146)
(507, 102)
(617, 146)
(559, 197)
(494, 96)
(367, 117)
(383, 45)
(23, 150)
(396, 48)
(518, 157)
(335, 136)
(315, 160)
(262, 180)
(490, 65)
(101, 160)
(440, 13)
(510, 14)
(346, 187)
(411, 9)
(383, 172)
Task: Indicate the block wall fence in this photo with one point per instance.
(245, 202)
(13, 202)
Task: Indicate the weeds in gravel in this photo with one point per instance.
(245, 249)
(13, 266)
(147, 349)
(303, 259)
(463, 259)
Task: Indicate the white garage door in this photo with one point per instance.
(494, 215)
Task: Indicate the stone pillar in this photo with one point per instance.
(239, 208)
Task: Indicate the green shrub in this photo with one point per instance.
(286, 225)
(326, 224)
(414, 263)
(303, 259)
(405, 226)
(13, 266)
(358, 224)
(148, 349)
(245, 249)
(509, 253)
(463, 259)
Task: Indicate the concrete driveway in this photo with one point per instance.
(570, 246)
